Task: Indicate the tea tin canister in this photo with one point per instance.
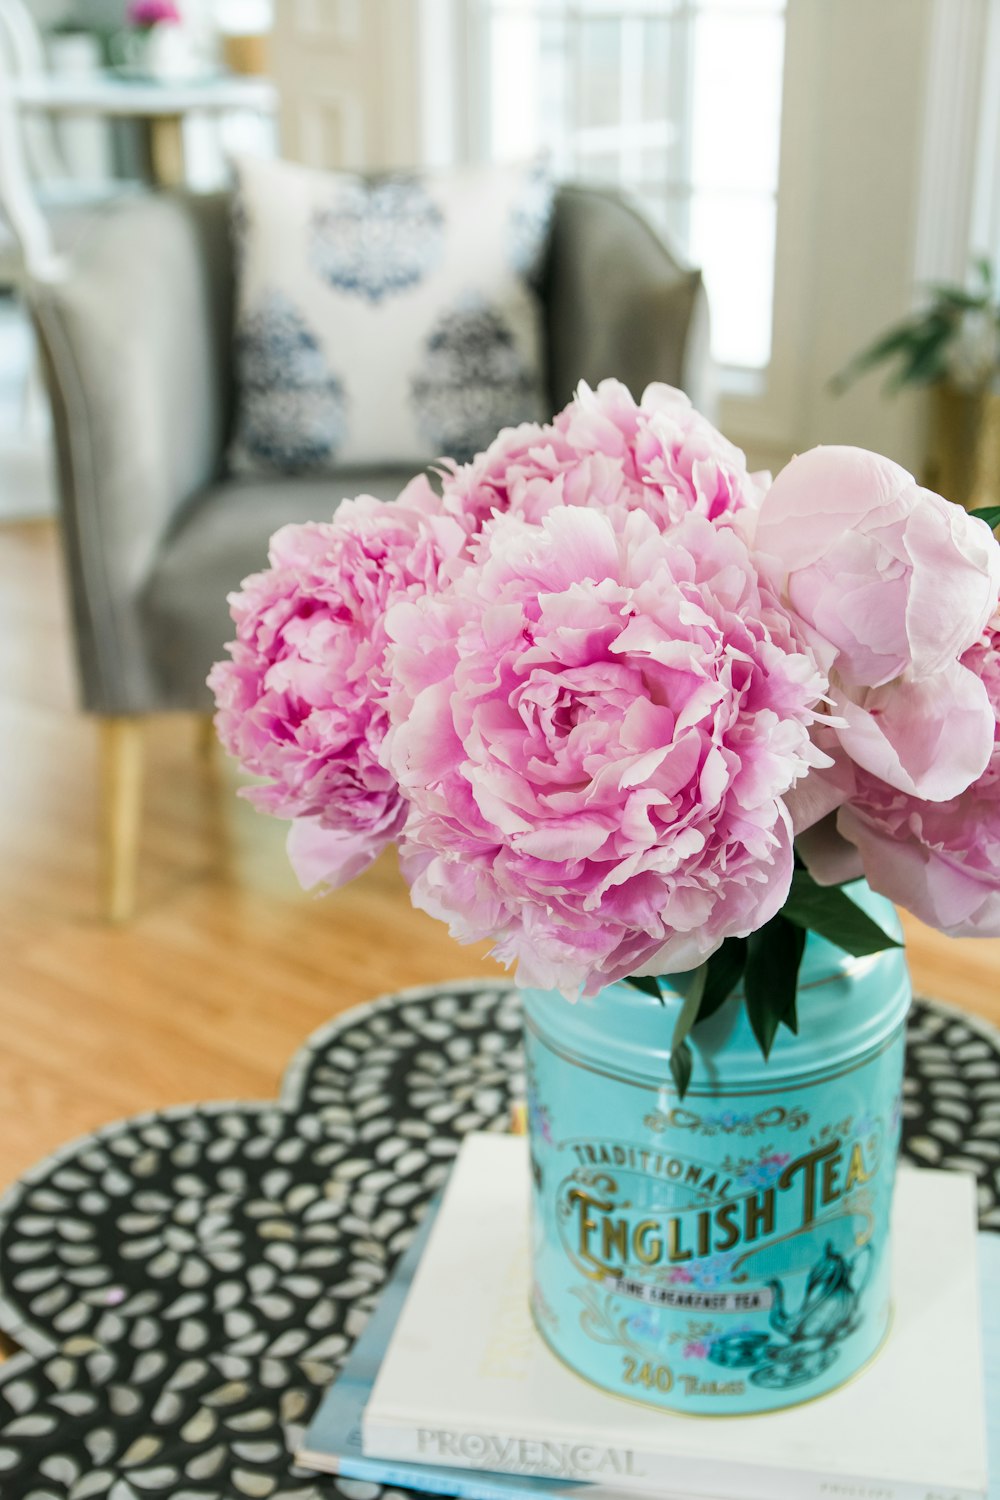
(726, 1253)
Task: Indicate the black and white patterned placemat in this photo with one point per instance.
(184, 1285)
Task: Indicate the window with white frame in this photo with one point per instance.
(679, 101)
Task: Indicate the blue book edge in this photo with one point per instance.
(332, 1443)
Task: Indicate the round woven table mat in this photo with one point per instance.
(184, 1285)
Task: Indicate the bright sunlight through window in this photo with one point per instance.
(678, 101)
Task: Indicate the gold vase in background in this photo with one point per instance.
(245, 53)
(964, 461)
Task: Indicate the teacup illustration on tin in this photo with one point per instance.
(829, 1312)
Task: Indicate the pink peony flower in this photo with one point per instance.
(941, 860)
(891, 584)
(302, 702)
(606, 451)
(595, 726)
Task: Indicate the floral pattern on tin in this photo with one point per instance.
(761, 1171)
(727, 1121)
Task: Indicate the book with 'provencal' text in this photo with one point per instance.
(467, 1382)
(332, 1443)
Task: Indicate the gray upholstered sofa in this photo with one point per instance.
(136, 343)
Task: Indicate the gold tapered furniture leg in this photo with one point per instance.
(121, 812)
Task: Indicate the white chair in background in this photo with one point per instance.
(30, 247)
(43, 205)
(44, 210)
(22, 54)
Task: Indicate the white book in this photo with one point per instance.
(467, 1381)
(332, 1443)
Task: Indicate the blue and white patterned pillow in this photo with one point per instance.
(388, 320)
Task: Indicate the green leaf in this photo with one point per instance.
(925, 364)
(983, 267)
(690, 982)
(990, 514)
(770, 979)
(692, 986)
(956, 297)
(830, 912)
(647, 985)
(725, 970)
(918, 345)
(895, 341)
(680, 1068)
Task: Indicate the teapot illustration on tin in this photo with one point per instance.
(828, 1313)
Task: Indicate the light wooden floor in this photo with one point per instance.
(227, 966)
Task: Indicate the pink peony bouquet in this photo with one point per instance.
(629, 710)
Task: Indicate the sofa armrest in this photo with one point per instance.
(620, 303)
(135, 340)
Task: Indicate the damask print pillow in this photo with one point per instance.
(385, 320)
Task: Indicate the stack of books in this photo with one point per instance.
(451, 1391)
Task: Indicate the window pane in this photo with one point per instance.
(515, 86)
(671, 215)
(737, 102)
(677, 100)
(744, 7)
(599, 166)
(600, 72)
(660, 39)
(732, 239)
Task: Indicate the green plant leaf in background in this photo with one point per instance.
(990, 514)
(919, 346)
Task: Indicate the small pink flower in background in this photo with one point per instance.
(146, 13)
(302, 701)
(941, 860)
(595, 726)
(891, 584)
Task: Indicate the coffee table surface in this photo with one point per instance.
(184, 1285)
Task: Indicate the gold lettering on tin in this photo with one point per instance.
(856, 1168)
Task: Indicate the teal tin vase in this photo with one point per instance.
(726, 1253)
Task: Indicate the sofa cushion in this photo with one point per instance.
(385, 320)
(222, 538)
